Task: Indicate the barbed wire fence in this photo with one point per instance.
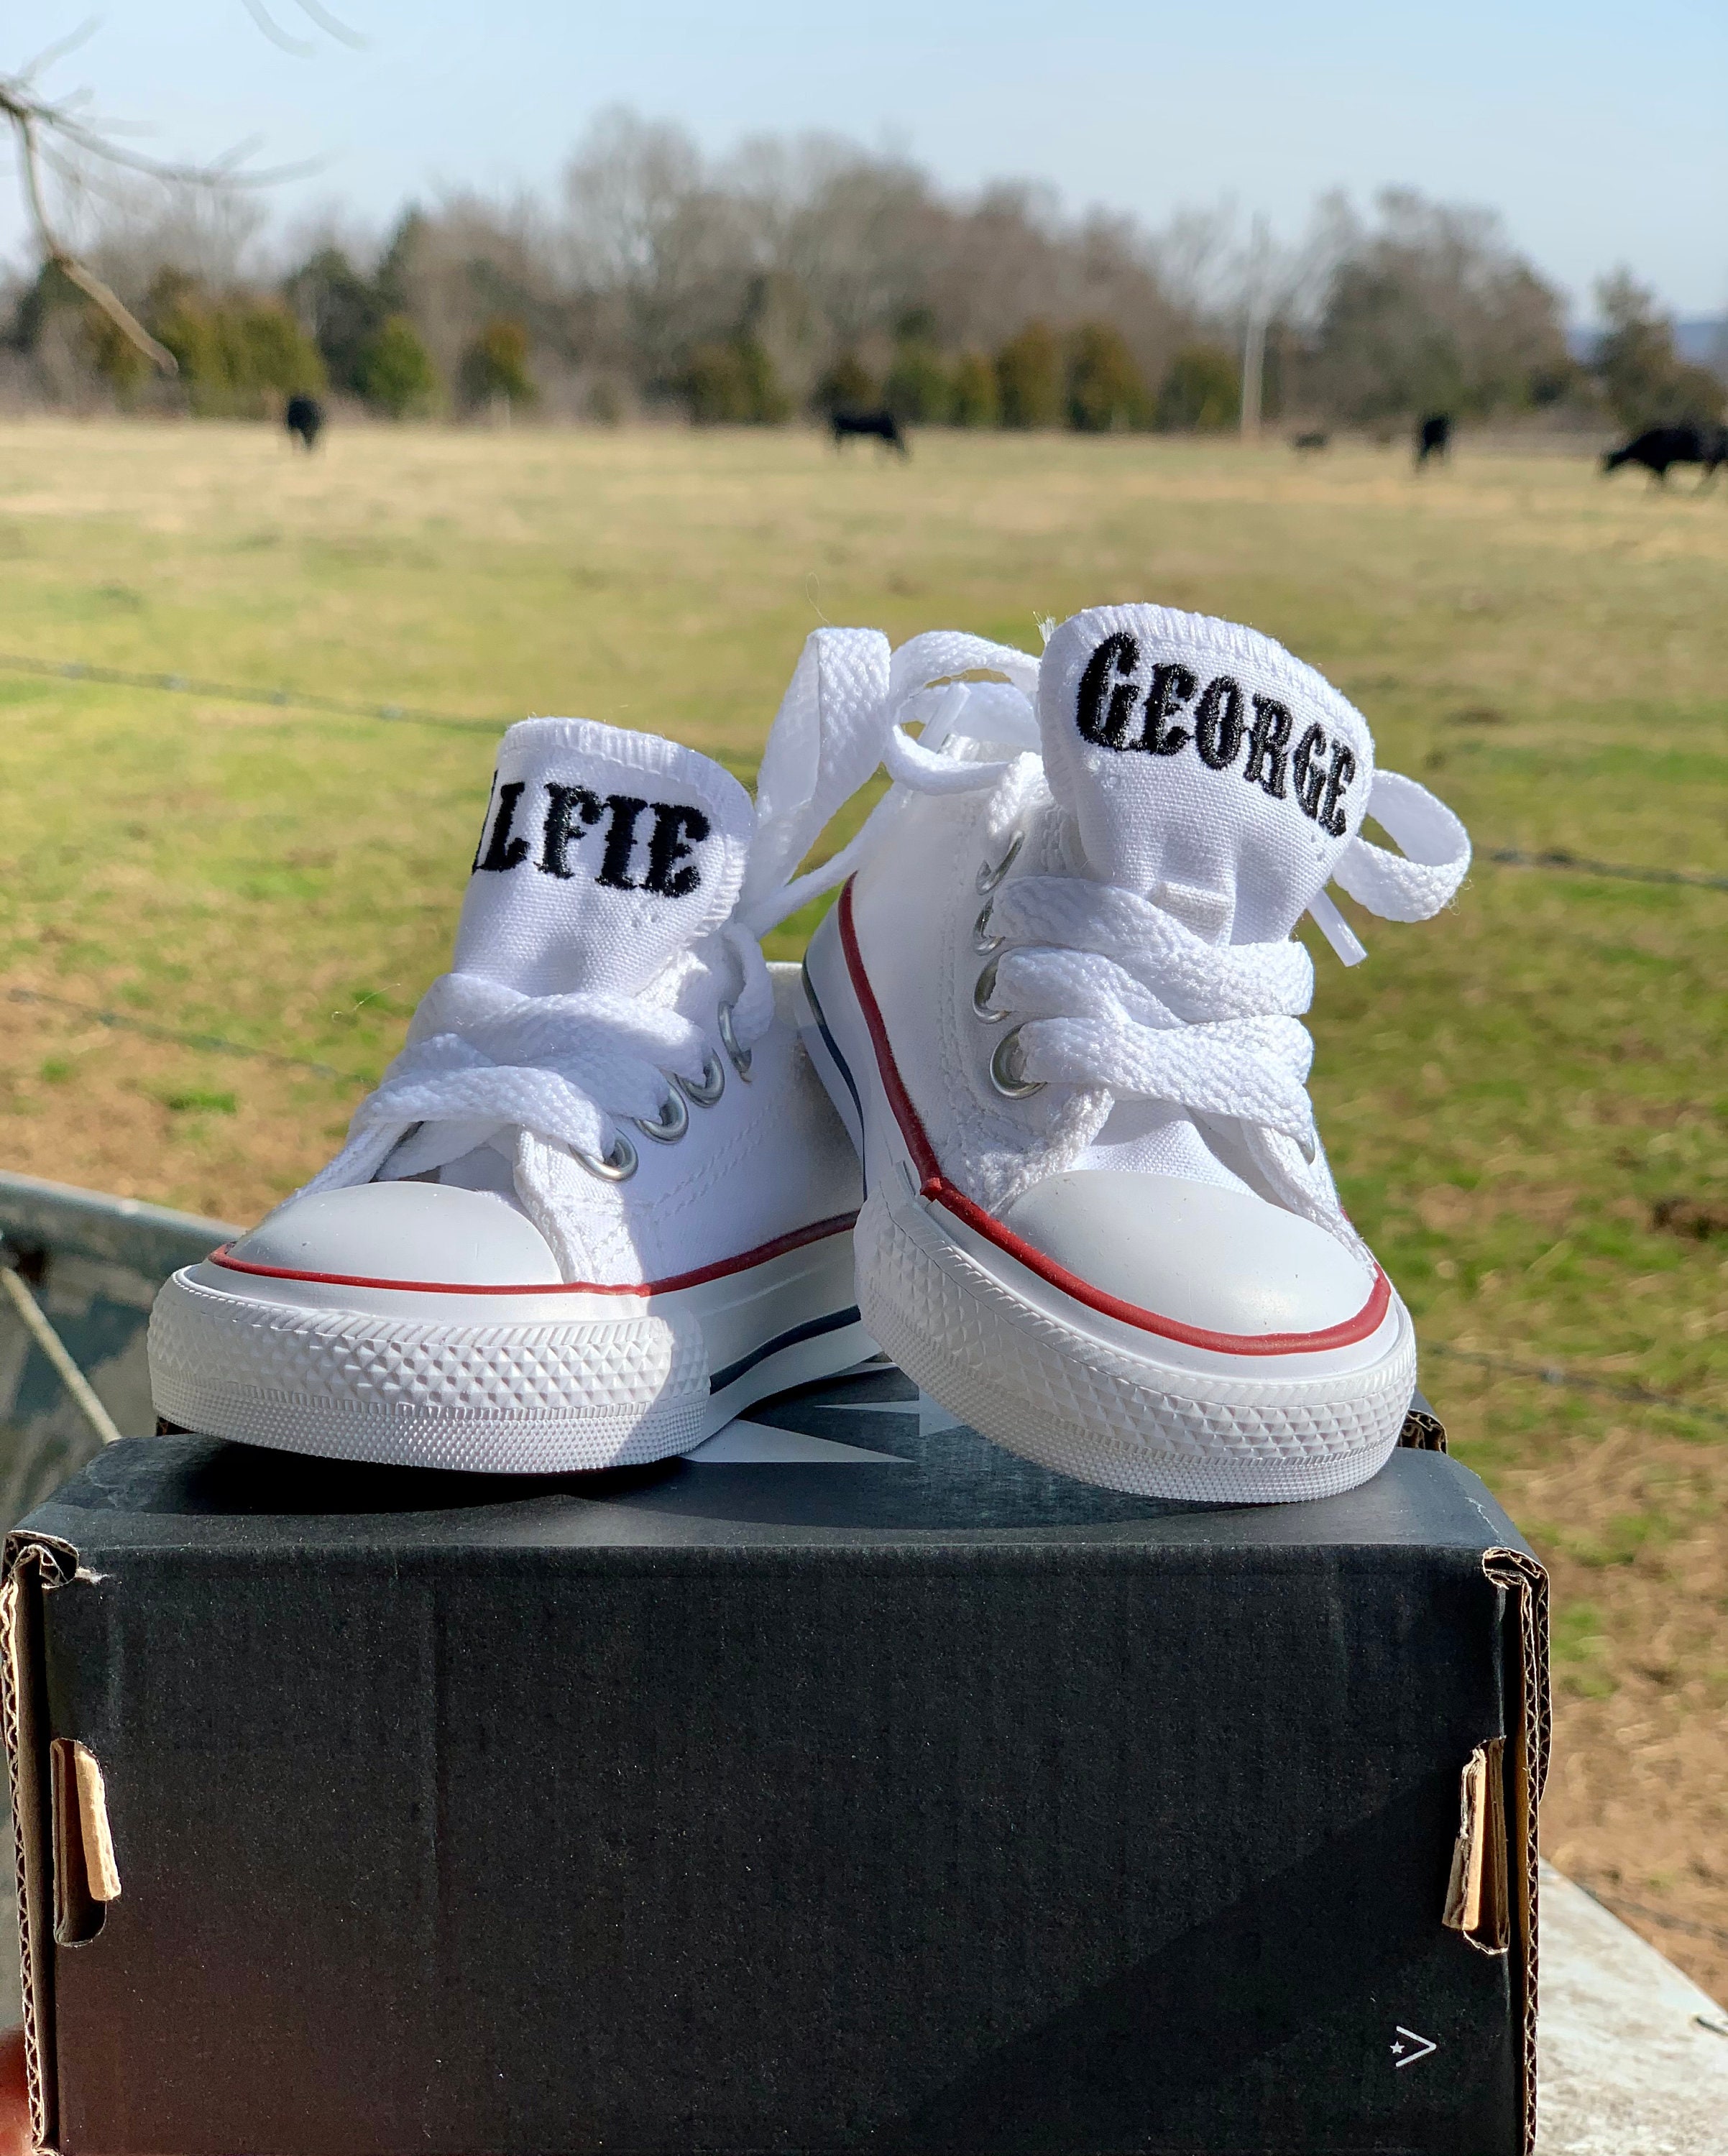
(187, 684)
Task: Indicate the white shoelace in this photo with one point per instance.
(481, 1057)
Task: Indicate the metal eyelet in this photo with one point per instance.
(740, 1057)
(672, 1122)
(982, 1007)
(984, 944)
(617, 1165)
(707, 1088)
(989, 877)
(1001, 1071)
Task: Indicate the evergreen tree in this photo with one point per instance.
(1646, 382)
(1029, 377)
(1107, 393)
(975, 402)
(495, 366)
(396, 376)
(343, 310)
(847, 386)
(1200, 394)
(919, 388)
(735, 384)
(238, 358)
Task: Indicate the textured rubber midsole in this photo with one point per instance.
(1073, 1403)
(1047, 1377)
(631, 1381)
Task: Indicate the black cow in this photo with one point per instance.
(1659, 448)
(1433, 437)
(304, 419)
(1315, 440)
(883, 425)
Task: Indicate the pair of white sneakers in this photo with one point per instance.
(1033, 1120)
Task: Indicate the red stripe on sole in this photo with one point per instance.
(840, 1223)
(935, 1186)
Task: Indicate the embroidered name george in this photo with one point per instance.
(1105, 716)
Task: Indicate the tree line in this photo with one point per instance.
(795, 278)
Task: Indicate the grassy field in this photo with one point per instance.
(1525, 1099)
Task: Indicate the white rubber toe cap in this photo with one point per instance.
(1220, 1260)
(380, 1233)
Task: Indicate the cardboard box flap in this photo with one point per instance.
(1476, 1895)
(1523, 1770)
(34, 1564)
(86, 1876)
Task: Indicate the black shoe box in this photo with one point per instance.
(852, 1785)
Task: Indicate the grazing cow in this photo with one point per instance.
(883, 425)
(303, 419)
(1659, 448)
(1316, 440)
(1433, 437)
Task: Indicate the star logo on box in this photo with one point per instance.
(1409, 2049)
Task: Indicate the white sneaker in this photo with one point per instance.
(599, 1202)
(1058, 1008)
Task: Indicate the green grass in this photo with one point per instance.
(1507, 1092)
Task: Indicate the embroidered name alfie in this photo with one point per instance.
(571, 812)
(1220, 724)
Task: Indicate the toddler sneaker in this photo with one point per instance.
(1058, 1006)
(599, 1202)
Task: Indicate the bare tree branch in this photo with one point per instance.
(31, 119)
(301, 47)
(332, 26)
(98, 142)
(59, 50)
(24, 118)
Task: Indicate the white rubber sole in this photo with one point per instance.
(1064, 1385)
(563, 1382)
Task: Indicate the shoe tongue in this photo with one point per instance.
(603, 854)
(1205, 768)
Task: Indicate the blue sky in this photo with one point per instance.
(1600, 132)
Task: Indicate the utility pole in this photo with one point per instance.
(1254, 339)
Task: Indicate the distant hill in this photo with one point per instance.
(1704, 341)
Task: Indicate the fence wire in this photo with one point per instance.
(305, 699)
(1510, 857)
(1612, 1898)
(183, 685)
(213, 1042)
(1576, 1381)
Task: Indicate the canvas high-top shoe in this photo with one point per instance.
(599, 1202)
(1058, 1005)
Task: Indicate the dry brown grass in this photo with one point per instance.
(111, 1109)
